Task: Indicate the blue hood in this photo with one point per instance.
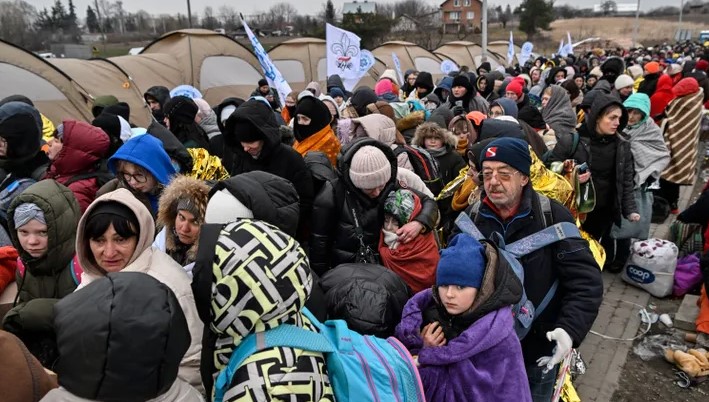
(147, 152)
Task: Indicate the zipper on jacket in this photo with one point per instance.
(505, 227)
(368, 374)
(392, 377)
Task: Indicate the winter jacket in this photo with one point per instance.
(369, 297)
(449, 161)
(575, 305)
(489, 93)
(333, 238)
(83, 148)
(21, 127)
(650, 83)
(661, 98)
(48, 278)
(149, 260)
(611, 161)
(22, 377)
(529, 114)
(558, 113)
(275, 158)
(147, 152)
(681, 130)
(276, 103)
(133, 329)
(182, 187)
(241, 305)
(482, 359)
(650, 153)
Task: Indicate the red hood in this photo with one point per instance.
(83, 146)
(686, 86)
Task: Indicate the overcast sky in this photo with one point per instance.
(303, 6)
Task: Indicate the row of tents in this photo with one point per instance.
(215, 64)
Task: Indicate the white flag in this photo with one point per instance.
(510, 50)
(561, 48)
(526, 53)
(273, 76)
(568, 47)
(397, 64)
(343, 55)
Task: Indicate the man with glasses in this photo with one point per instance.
(512, 208)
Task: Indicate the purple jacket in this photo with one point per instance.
(484, 363)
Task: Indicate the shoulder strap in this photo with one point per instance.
(284, 335)
(547, 298)
(543, 238)
(466, 224)
(545, 203)
(575, 142)
(81, 176)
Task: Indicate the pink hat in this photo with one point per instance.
(383, 87)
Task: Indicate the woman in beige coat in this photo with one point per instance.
(115, 234)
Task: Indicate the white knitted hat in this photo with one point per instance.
(369, 168)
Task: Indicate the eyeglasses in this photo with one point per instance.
(138, 177)
(501, 175)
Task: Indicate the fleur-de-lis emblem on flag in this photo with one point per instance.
(345, 51)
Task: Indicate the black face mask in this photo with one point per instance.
(319, 114)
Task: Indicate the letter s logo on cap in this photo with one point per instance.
(491, 152)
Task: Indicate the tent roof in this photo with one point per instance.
(410, 56)
(465, 53)
(303, 60)
(102, 77)
(210, 62)
(53, 91)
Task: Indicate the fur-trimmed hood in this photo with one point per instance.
(181, 187)
(448, 138)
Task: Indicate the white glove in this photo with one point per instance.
(562, 348)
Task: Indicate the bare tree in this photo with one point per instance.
(413, 8)
(209, 21)
(229, 18)
(16, 23)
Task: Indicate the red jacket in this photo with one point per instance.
(83, 147)
(661, 98)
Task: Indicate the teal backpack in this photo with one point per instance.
(360, 367)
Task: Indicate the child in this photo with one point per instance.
(441, 144)
(415, 262)
(462, 330)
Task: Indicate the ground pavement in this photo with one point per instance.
(605, 358)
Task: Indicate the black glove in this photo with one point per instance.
(458, 110)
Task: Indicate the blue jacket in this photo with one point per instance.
(147, 152)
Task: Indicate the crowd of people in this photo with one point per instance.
(136, 261)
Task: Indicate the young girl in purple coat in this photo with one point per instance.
(462, 330)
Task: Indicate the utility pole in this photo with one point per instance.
(189, 14)
(484, 29)
(635, 27)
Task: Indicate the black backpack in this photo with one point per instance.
(425, 166)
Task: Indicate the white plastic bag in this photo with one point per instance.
(651, 266)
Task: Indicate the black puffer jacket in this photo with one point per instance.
(271, 198)
(172, 146)
(575, 304)
(623, 180)
(369, 297)
(276, 157)
(333, 238)
(529, 114)
(108, 352)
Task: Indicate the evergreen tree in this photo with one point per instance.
(59, 15)
(92, 20)
(329, 12)
(535, 15)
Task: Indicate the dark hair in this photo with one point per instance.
(110, 213)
